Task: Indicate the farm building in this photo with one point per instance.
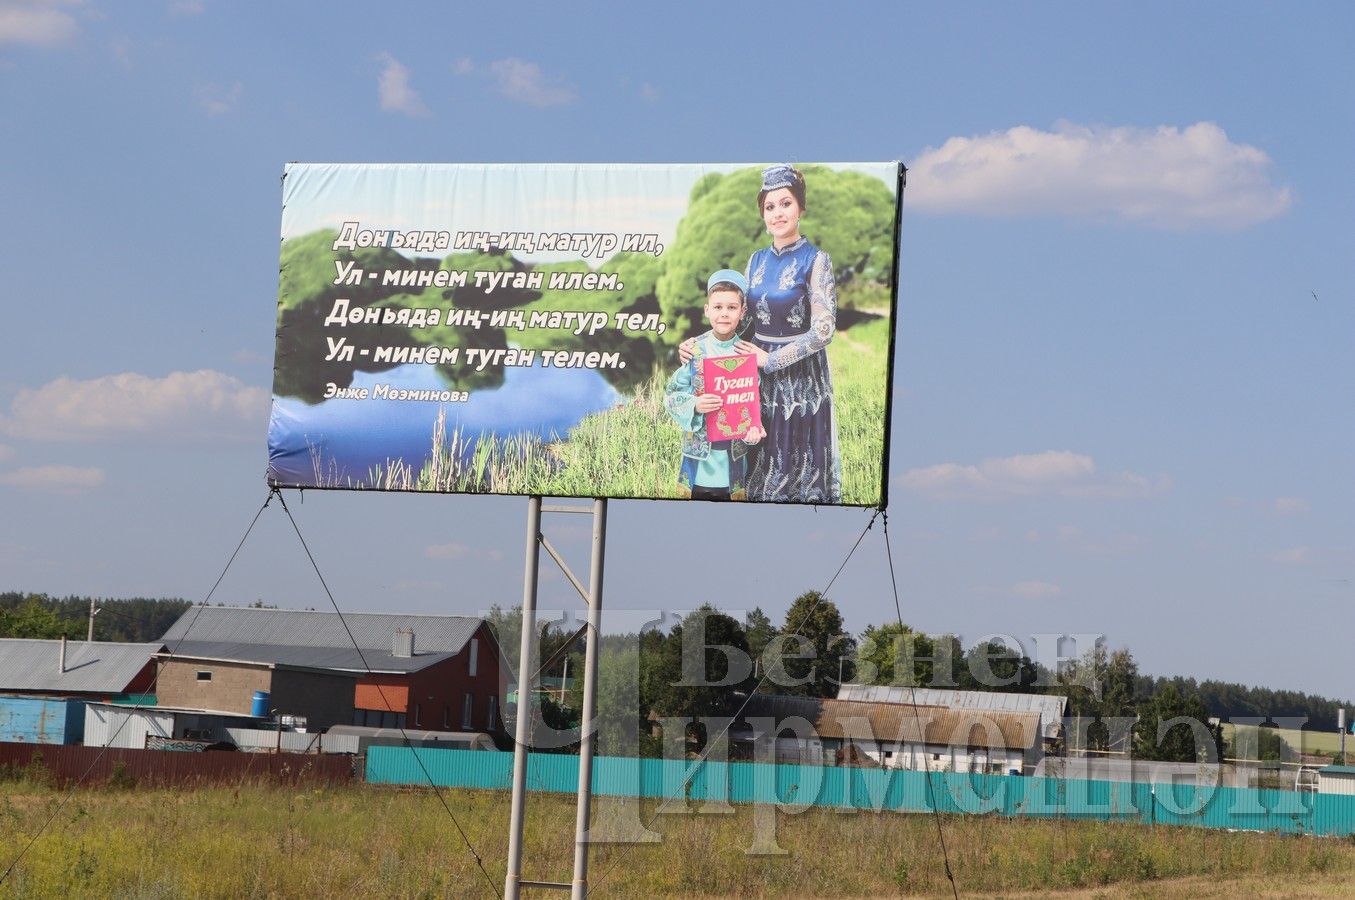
(1336, 780)
(1049, 707)
(87, 669)
(891, 735)
(45, 684)
(137, 728)
(439, 673)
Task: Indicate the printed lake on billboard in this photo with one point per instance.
(709, 331)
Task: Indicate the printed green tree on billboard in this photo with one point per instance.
(848, 215)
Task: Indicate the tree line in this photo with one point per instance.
(810, 654)
(133, 620)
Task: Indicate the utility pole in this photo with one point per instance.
(92, 613)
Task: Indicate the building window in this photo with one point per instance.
(492, 717)
(467, 708)
(204, 675)
(474, 655)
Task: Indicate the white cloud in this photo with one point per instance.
(463, 66)
(41, 23)
(523, 81)
(6, 453)
(216, 100)
(1289, 506)
(187, 7)
(1053, 472)
(1190, 178)
(246, 357)
(392, 86)
(61, 479)
(1293, 556)
(202, 405)
(461, 551)
(1036, 590)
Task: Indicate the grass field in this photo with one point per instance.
(633, 449)
(365, 841)
(1328, 743)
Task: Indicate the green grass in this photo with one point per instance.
(632, 450)
(260, 841)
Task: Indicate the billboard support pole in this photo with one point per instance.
(526, 697)
(587, 731)
(513, 880)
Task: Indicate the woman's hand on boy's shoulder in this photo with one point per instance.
(755, 350)
(686, 350)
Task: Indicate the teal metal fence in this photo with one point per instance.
(797, 787)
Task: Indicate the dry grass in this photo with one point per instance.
(258, 841)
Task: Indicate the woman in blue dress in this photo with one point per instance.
(792, 302)
(792, 308)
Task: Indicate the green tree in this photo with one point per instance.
(695, 673)
(760, 631)
(1100, 686)
(622, 707)
(1192, 740)
(36, 617)
(813, 629)
(993, 666)
(894, 654)
(506, 624)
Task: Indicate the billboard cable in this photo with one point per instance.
(403, 733)
(103, 751)
(712, 741)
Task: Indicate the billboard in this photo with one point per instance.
(707, 331)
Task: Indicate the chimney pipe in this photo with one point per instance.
(62, 661)
(402, 647)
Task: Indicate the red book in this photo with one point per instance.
(734, 379)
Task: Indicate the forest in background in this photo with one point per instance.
(656, 658)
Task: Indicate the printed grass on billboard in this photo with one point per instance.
(541, 329)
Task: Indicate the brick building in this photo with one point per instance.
(435, 673)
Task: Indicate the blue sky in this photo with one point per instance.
(1124, 378)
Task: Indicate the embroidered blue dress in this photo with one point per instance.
(792, 301)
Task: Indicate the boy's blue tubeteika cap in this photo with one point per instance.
(733, 277)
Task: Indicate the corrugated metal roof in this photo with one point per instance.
(335, 658)
(99, 667)
(305, 628)
(1049, 706)
(896, 723)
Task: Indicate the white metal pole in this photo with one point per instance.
(588, 739)
(526, 699)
